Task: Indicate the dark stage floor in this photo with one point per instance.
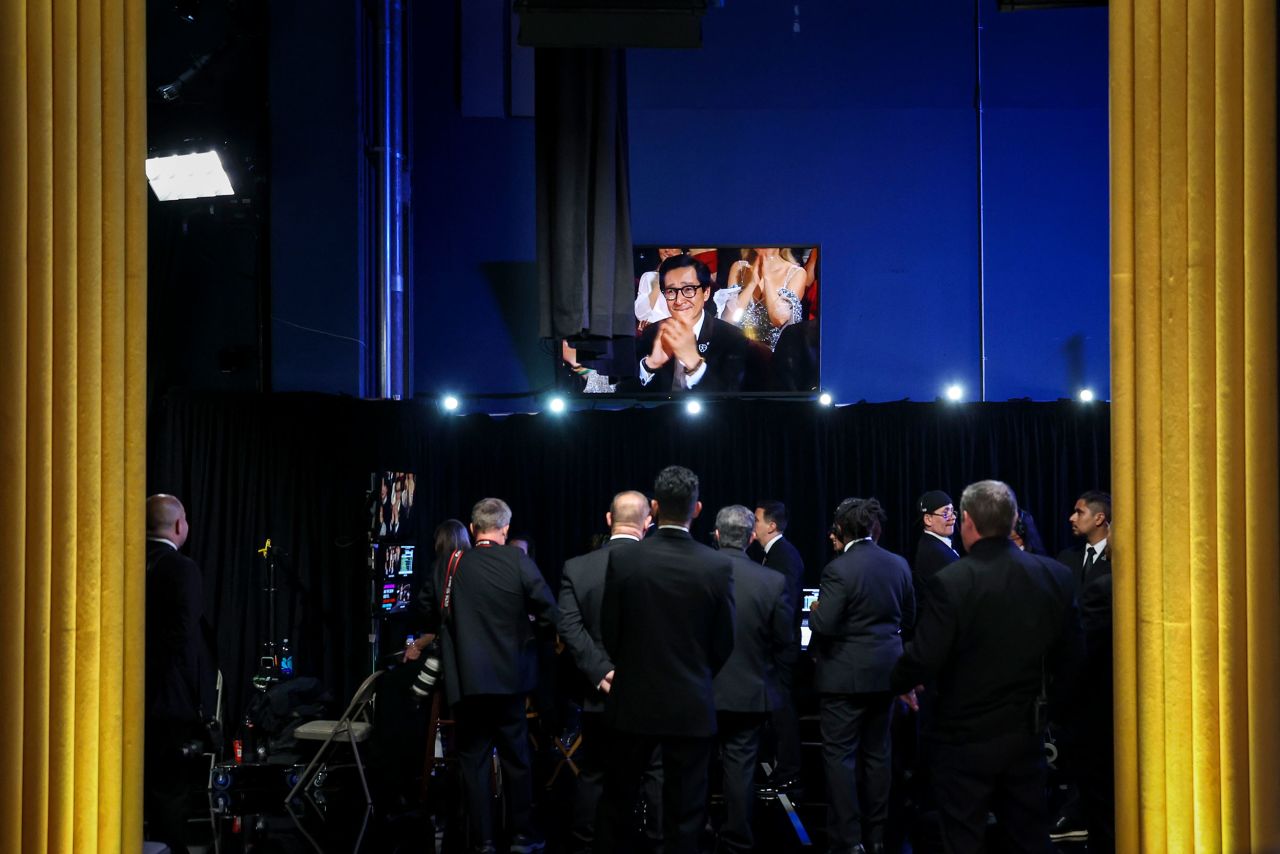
(334, 818)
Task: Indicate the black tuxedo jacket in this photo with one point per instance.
(1074, 561)
(668, 616)
(996, 623)
(723, 346)
(581, 602)
(785, 558)
(865, 600)
(931, 556)
(181, 668)
(763, 635)
(488, 644)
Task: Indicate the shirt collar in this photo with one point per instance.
(1098, 548)
(946, 540)
(697, 327)
(170, 543)
(676, 527)
(773, 540)
(624, 537)
(848, 546)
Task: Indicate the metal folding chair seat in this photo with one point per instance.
(352, 728)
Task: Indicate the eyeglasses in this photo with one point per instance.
(687, 292)
(945, 514)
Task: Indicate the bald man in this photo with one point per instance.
(179, 670)
(581, 594)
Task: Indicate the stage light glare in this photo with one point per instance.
(188, 176)
(556, 405)
(693, 407)
(450, 403)
(1086, 395)
(825, 398)
(954, 392)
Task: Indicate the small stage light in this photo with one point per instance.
(556, 405)
(188, 176)
(954, 392)
(825, 398)
(450, 403)
(693, 407)
(1086, 395)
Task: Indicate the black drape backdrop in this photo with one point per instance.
(296, 467)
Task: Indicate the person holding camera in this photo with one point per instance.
(999, 634)
(180, 673)
(489, 605)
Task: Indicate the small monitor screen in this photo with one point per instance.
(806, 633)
(393, 564)
(810, 596)
(391, 513)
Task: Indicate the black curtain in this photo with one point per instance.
(585, 270)
(296, 468)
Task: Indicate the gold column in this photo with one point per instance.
(72, 422)
(1194, 424)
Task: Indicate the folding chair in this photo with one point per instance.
(353, 727)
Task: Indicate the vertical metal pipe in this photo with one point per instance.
(982, 239)
(390, 214)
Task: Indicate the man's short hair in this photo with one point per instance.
(490, 514)
(858, 518)
(735, 524)
(676, 491)
(992, 506)
(775, 512)
(629, 507)
(163, 512)
(676, 262)
(1098, 502)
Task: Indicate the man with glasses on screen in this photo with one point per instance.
(691, 349)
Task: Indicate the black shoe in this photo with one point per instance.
(527, 843)
(1069, 826)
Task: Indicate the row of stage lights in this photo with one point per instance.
(556, 405)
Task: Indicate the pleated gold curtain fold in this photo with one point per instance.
(1194, 412)
(72, 423)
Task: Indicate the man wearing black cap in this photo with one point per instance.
(934, 551)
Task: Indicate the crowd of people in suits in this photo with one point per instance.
(690, 651)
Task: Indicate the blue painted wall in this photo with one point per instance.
(858, 132)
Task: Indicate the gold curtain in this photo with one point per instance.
(1194, 412)
(72, 441)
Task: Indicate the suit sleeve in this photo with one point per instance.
(590, 658)
(184, 640)
(537, 596)
(1065, 657)
(426, 609)
(833, 599)
(782, 630)
(908, 603)
(611, 610)
(935, 634)
(722, 625)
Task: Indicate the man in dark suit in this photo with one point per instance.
(690, 349)
(865, 600)
(934, 550)
(180, 670)
(581, 598)
(747, 687)
(489, 657)
(998, 625)
(668, 629)
(1091, 522)
(783, 557)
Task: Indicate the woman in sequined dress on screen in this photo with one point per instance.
(763, 294)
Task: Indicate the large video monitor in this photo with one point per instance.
(719, 320)
(391, 513)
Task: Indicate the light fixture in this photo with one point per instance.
(825, 398)
(954, 392)
(556, 405)
(188, 176)
(1086, 395)
(450, 403)
(693, 407)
